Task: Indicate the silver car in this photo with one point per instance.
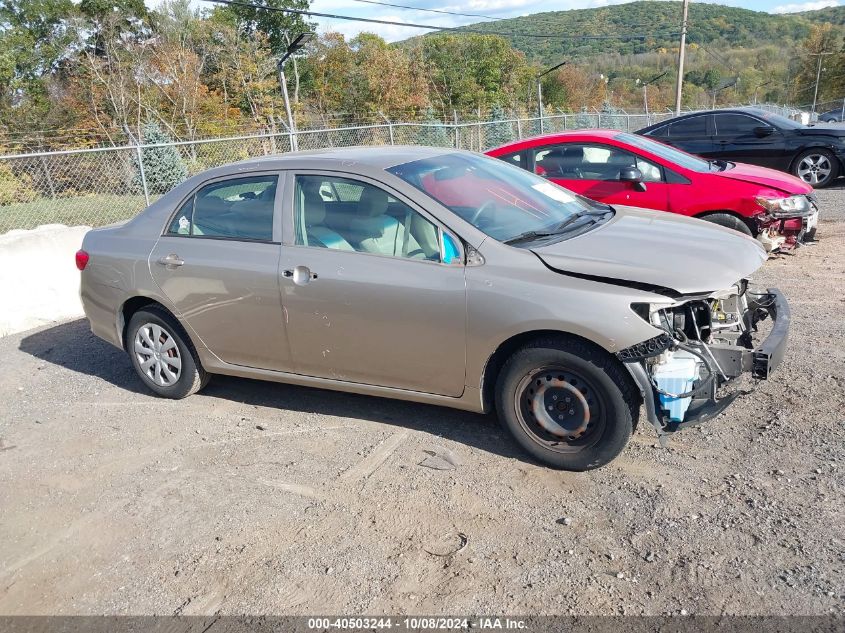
(436, 276)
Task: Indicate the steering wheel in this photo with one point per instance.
(484, 208)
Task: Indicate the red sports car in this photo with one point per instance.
(618, 168)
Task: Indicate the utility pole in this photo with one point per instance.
(645, 93)
(818, 77)
(301, 40)
(539, 79)
(683, 46)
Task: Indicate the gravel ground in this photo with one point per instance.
(261, 498)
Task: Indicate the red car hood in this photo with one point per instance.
(767, 177)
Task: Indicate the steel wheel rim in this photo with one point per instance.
(559, 409)
(157, 354)
(814, 168)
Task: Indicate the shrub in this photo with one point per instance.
(14, 188)
(163, 166)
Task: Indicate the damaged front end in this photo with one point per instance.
(786, 223)
(706, 343)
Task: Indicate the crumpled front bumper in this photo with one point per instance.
(732, 360)
(787, 233)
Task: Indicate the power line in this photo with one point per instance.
(458, 29)
(403, 6)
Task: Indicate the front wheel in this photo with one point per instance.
(162, 354)
(567, 403)
(816, 167)
(729, 221)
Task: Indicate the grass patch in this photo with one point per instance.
(93, 210)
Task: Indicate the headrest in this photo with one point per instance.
(314, 208)
(212, 204)
(268, 194)
(373, 202)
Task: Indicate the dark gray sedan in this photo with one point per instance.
(437, 276)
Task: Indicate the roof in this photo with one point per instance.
(378, 157)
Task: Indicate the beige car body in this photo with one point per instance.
(385, 326)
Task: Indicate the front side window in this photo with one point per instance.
(503, 201)
(350, 215)
(735, 124)
(592, 162)
(239, 209)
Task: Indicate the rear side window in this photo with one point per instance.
(238, 209)
(694, 126)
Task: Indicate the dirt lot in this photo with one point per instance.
(263, 498)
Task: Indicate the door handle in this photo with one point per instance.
(301, 275)
(171, 260)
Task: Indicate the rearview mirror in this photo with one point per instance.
(764, 130)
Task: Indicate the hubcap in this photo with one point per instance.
(560, 409)
(814, 168)
(157, 354)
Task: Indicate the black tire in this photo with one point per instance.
(189, 378)
(552, 369)
(832, 174)
(729, 221)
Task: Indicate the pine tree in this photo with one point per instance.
(499, 131)
(163, 166)
(433, 132)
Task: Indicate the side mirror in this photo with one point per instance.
(630, 174)
(634, 176)
(763, 131)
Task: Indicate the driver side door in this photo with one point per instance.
(373, 287)
(592, 170)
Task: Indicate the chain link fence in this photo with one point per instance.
(96, 187)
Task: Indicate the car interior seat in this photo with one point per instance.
(373, 230)
(314, 217)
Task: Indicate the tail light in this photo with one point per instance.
(82, 259)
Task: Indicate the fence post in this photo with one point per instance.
(457, 130)
(389, 126)
(143, 175)
(47, 176)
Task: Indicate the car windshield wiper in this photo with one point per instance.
(586, 213)
(528, 236)
(568, 223)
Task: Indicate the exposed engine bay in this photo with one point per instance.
(707, 342)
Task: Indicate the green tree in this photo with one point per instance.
(499, 131)
(163, 166)
(280, 28)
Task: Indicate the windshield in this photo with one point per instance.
(666, 152)
(778, 121)
(501, 200)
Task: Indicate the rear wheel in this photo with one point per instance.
(817, 167)
(567, 403)
(163, 355)
(729, 221)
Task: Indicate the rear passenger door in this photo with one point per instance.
(217, 262)
(692, 134)
(373, 287)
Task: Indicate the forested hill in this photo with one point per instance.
(659, 22)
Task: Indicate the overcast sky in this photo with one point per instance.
(492, 8)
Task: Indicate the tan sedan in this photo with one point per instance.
(437, 276)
